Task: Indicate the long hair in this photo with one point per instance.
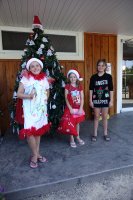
(103, 61)
(77, 81)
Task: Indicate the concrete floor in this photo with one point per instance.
(67, 167)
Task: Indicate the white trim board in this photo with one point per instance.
(79, 55)
(120, 40)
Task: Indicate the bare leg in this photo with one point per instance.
(105, 121)
(71, 138)
(80, 141)
(96, 119)
(37, 138)
(32, 144)
(77, 127)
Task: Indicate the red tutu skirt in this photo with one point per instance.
(68, 122)
(23, 133)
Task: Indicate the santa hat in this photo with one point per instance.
(37, 23)
(76, 73)
(33, 60)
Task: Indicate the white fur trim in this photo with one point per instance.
(37, 26)
(33, 60)
(76, 73)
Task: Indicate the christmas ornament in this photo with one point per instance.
(54, 96)
(63, 84)
(31, 36)
(47, 72)
(54, 106)
(31, 43)
(51, 47)
(36, 36)
(25, 50)
(39, 52)
(44, 39)
(42, 46)
(42, 58)
(23, 65)
(49, 52)
(15, 95)
(27, 42)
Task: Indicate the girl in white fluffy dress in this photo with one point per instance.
(34, 91)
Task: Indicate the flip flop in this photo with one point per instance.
(106, 138)
(73, 144)
(42, 159)
(80, 141)
(33, 164)
(94, 138)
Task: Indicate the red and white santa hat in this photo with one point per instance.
(37, 23)
(76, 73)
(33, 60)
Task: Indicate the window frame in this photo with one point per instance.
(17, 54)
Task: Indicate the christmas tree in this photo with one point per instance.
(39, 46)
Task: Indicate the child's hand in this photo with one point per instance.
(110, 104)
(71, 111)
(91, 104)
(31, 95)
(80, 111)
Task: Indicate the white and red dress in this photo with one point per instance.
(35, 110)
(69, 121)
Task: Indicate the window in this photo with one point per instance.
(16, 41)
(68, 45)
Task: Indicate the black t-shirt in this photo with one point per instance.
(101, 87)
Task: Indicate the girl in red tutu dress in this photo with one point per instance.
(34, 91)
(73, 113)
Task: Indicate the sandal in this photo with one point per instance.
(33, 164)
(80, 141)
(106, 138)
(73, 144)
(42, 159)
(94, 138)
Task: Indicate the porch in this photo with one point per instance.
(67, 167)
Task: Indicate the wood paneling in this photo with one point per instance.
(8, 70)
(99, 46)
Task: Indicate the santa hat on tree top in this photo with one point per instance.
(74, 71)
(37, 23)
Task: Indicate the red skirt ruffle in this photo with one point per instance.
(19, 118)
(23, 133)
(68, 123)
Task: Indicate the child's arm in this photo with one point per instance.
(81, 103)
(21, 95)
(91, 102)
(67, 102)
(111, 99)
(47, 93)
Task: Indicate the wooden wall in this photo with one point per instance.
(96, 46)
(8, 70)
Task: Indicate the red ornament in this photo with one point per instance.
(42, 58)
(31, 35)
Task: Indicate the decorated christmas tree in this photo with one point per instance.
(39, 46)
